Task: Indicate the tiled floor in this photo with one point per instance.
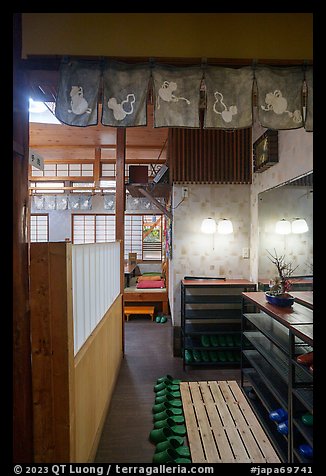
(148, 355)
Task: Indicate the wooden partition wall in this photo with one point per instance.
(71, 394)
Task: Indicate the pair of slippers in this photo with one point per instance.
(160, 319)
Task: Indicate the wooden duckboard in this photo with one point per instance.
(221, 426)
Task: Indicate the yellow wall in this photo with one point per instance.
(211, 35)
(97, 365)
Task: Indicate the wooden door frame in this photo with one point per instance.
(22, 371)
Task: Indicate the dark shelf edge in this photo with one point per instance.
(276, 438)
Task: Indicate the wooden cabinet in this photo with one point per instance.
(211, 321)
(271, 377)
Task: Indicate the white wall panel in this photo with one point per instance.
(96, 285)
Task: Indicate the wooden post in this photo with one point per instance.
(22, 377)
(97, 166)
(120, 206)
(52, 352)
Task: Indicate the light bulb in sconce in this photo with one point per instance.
(224, 227)
(283, 227)
(299, 225)
(208, 226)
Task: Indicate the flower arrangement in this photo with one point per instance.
(281, 284)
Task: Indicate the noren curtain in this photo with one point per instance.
(123, 89)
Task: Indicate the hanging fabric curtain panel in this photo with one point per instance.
(176, 91)
(125, 89)
(78, 91)
(176, 95)
(228, 97)
(280, 97)
(310, 92)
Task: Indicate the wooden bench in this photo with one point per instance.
(139, 310)
(221, 426)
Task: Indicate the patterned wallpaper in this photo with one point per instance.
(198, 254)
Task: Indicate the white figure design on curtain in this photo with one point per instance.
(118, 109)
(278, 104)
(227, 113)
(78, 103)
(166, 93)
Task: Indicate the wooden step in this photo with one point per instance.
(221, 426)
(129, 310)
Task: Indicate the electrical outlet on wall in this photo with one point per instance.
(184, 192)
(245, 253)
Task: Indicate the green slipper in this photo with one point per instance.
(171, 421)
(222, 340)
(161, 407)
(169, 412)
(163, 386)
(205, 356)
(188, 356)
(229, 340)
(161, 434)
(197, 355)
(222, 356)
(213, 355)
(237, 339)
(175, 402)
(168, 378)
(237, 356)
(163, 319)
(230, 356)
(171, 382)
(170, 455)
(166, 391)
(307, 419)
(214, 341)
(182, 460)
(158, 319)
(172, 442)
(205, 341)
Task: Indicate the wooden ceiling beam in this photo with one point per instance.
(100, 146)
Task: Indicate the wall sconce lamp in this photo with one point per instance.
(299, 225)
(208, 226)
(224, 226)
(284, 227)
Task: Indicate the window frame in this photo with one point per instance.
(73, 215)
(47, 227)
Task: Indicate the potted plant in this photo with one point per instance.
(281, 284)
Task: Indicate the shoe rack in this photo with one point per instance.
(211, 321)
(276, 373)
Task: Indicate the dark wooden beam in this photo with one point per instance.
(120, 202)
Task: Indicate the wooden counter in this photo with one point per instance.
(217, 282)
(305, 298)
(296, 314)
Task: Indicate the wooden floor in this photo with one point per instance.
(221, 426)
(148, 355)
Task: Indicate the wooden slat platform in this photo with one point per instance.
(221, 426)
